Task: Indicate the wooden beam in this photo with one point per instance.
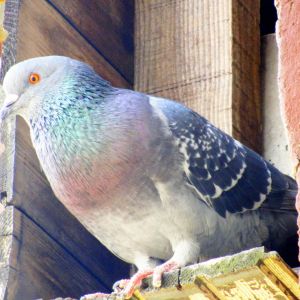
(206, 55)
(44, 31)
(107, 26)
(34, 263)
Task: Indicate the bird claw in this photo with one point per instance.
(124, 288)
(120, 285)
(159, 270)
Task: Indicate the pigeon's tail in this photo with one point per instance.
(280, 215)
(289, 197)
(283, 193)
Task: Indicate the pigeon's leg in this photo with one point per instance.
(126, 287)
(185, 252)
(129, 285)
(168, 266)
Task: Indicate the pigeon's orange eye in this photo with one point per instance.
(34, 78)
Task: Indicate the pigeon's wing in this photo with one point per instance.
(225, 174)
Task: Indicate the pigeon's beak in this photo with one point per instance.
(10, 99)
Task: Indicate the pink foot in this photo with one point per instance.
(126, 287)
(129, 285)
(158, 271)
(120, 285)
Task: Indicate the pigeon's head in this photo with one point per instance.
(26, 82)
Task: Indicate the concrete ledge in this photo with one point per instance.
(252, 274)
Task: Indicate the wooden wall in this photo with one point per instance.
(44, 252)
(99, 32)
(205, 54)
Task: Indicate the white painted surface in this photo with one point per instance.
(274, 136)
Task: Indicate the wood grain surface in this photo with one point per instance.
(107, 26)
(206, 55)
(44, 31)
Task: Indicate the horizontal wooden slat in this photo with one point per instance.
(107, 25)
(38, 267)
(43, 31)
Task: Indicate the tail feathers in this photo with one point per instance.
(282, 197)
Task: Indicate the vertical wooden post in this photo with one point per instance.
(206, 55)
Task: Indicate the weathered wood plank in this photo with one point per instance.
(43, 31)
(245, 60)
(107, 26)
(7, 269)
(10, 24)
(37, 266)
(205, 54)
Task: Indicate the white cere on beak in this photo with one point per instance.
(10, 99)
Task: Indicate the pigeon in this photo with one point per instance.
(152, 180)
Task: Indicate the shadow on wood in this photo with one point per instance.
(44, 251)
